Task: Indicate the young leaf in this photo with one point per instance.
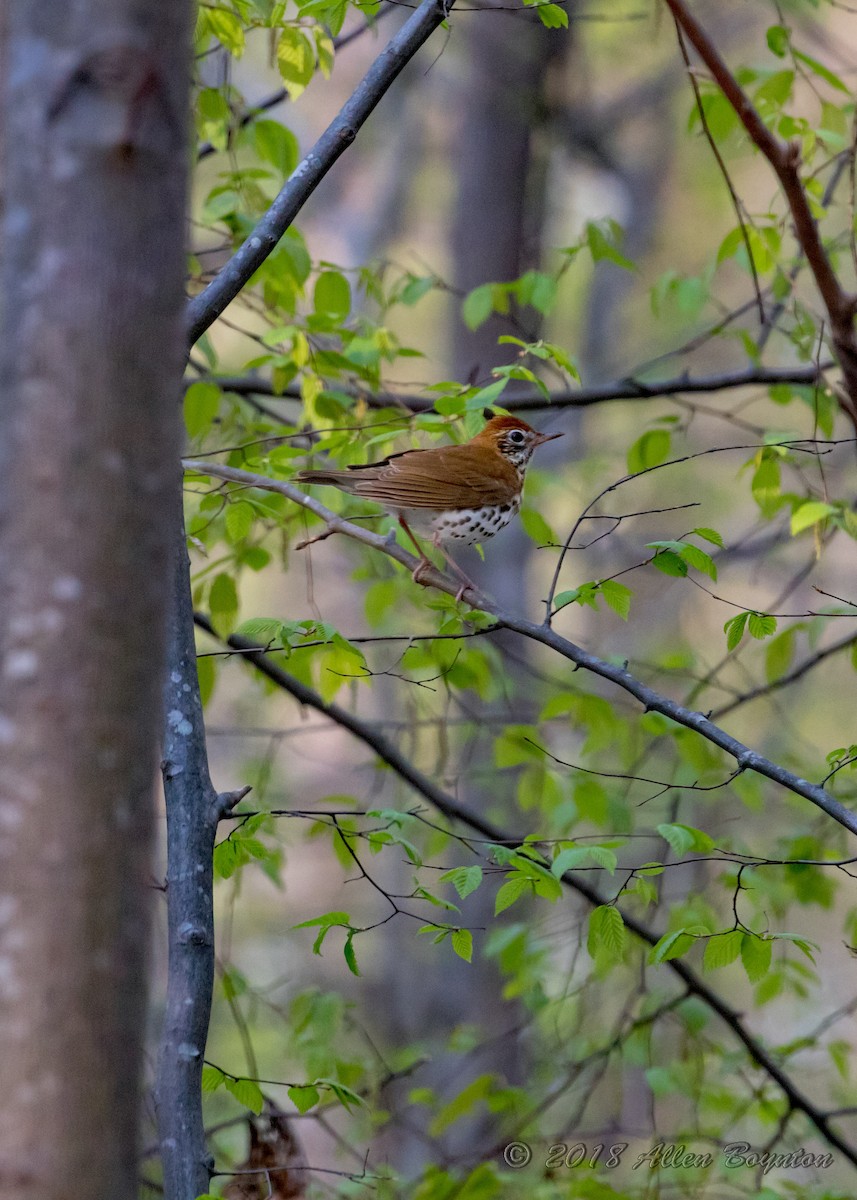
(761, 625)
(649, 450)
(734, 630)
(607, 937)
(464, 879)
(710, 535)
(247, 1092)
(478, 306)
(512, 890)
(617, 596)
(722, 949)
(304, 1098)
(350, 956)
(670, 563)
(810, 513)
(756, 956)
(462, 943)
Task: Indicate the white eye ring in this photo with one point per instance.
(517, 436)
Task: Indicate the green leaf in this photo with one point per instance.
(513, 889)
(810, 513)
(700, 560)
(515, 746)
(536, 527)
(247, 1092)
(478, 306)
(779, 654)
(332, 295)
(722, 949)
(223, 601)
(212, 1078)
(672, 945)
(206, 673)
(201, 405)
(350, 956)
(602, 238)
(536, 288)
(263, 630)
(295, 60)
(670, 563)
(464, 879)
(327, 919)
(462, 943)
(552, 16)
(239, 520)
(649, 450)
(710, 535)
(766, 486)
(822, 72)
(683, 838)
(734, 630)
(761, 625)
(607, 937)
(778, 40)
(276, 144)
(304, 1097)
(617, 596)
(756, 956)
(227, 29)
(563, 599)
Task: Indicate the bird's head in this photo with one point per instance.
(513, 438)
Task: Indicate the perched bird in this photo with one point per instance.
(463, 493)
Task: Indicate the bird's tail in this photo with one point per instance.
(334, 478)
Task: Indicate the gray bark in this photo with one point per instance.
(193, 813)
(93, 103)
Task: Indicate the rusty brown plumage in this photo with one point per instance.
(461, 493)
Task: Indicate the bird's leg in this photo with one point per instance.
(425, 561)
(467, 582)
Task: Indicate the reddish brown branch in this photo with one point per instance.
(784, 157)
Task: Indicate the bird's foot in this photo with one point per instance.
(419, 571)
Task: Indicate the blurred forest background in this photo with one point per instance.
(571, 164)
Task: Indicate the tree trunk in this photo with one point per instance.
(93, 104)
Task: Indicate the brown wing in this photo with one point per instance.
(449, 477)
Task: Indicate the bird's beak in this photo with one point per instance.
(546, 437)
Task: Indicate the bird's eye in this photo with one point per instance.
(517, 437)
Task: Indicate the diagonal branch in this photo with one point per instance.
(205, 308)
(784, 157)
(799, 671)
(450, 807)
(747, 759)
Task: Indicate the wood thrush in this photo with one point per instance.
(463, 493)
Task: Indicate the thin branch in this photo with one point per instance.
(453, 809)
(784, 157)
(205, 308)
(724, 171)
(531, 401)
(747, 759)
(784, 680)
